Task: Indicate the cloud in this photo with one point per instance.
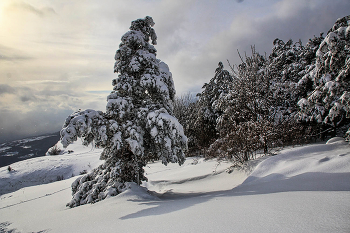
(11, 54)
(27, 98)
(12, 58)
(26, 7)
(57, 56)
(28, 111)
(287, 19)
(6, 89)
(45, 82)
(31, 123)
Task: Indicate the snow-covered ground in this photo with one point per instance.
(47, 169)
(302, 189)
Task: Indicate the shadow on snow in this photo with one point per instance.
(274, 183)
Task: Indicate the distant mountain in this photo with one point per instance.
(11, 152)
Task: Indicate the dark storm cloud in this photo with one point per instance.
(28, 98)
(287, 19)
(6, 89)
(31, 123)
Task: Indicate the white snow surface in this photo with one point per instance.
(301, 189)
(41, 170)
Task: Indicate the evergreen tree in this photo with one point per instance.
(327, 102)
(138, 125)
(288, 64)
(206, 115)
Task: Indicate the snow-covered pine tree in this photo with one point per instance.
(328, 102)
(288, 63)
(285, 68)
(138, 125)
(206, 115)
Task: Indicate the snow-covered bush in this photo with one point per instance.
(244, 110)
(253, 117)
(138, 125)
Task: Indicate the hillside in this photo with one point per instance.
(301, 189)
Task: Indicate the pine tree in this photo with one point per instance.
(327, 102)
(288, 64)
(206, 115)
(138, 125)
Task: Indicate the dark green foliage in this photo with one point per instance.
(206, 114)
(327, 102)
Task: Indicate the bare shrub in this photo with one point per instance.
(83, 172)
(55, 150)
(58, 178)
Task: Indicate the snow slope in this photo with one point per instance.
(302, 189)
(47, 169)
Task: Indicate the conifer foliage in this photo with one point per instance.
(327, 102)
(138, 125)
(206, 114)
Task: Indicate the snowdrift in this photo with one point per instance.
(302, 189)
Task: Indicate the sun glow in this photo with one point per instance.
(6, 22)
(2, 12)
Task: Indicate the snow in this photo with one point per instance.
(134, 36)
(46, 169)
(301, 189)
(2, 149)
(26, 140)
(303, 102)
(11, 154)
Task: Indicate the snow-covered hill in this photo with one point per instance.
(47, 169)
(302, 189)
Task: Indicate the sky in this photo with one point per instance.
(58, 56)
